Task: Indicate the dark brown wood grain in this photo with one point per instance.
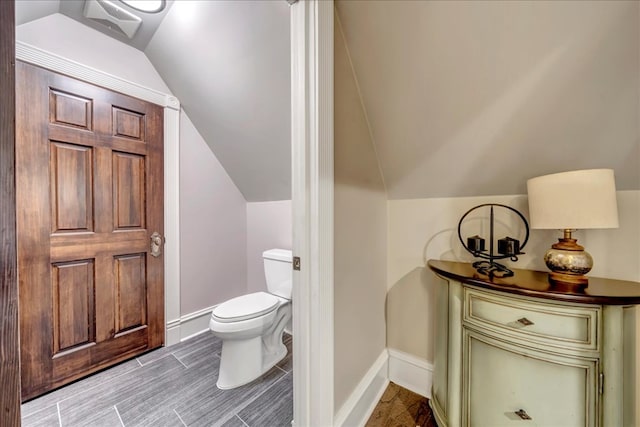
(536, 284)
(89, 195)
(9, 349)
(399, 407)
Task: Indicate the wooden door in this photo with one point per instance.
(89, 171)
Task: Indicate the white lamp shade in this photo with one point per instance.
(573, 200)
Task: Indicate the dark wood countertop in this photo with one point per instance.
(535, 284)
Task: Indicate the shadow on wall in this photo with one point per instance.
(410, 305)
(410, 310)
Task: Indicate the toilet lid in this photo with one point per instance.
(245, 307)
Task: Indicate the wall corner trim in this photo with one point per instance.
(360, 404)
(34, 55)
(410, 372)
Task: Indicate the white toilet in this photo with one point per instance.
(251, 325)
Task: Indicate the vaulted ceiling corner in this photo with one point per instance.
(472, 98)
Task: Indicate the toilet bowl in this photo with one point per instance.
(251, 326)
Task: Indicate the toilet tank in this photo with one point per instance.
(277, 271)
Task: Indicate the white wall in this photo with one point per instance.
(213, 226)
(268, 226)
(360, 222)
(423, 229)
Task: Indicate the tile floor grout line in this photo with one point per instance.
(180, 418)
(243, 421)
(178, 359)
(166, 371)
(254, 398)
(154, 360)
(127, 399)
(263, 392)
(188, 354)
(249, 402)
(59, 414)
(97, 385)
(173, 353)
(118, 414)
(57, 403)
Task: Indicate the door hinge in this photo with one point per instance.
(601, 383)
(296, 263)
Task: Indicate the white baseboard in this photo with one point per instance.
(361, 403)
(188, 325)
(410, 372)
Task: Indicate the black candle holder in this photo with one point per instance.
(508, 247)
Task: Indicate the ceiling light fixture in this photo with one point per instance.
(149, 6)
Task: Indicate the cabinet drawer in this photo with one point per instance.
(562, 326)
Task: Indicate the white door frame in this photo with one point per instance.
(36, 56)
(312, 194)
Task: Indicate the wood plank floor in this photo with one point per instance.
(399, 407)
(171, 386)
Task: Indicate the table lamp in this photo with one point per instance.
(570, 201)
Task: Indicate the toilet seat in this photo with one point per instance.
(245, 307)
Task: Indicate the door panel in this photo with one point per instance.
(128, 190)
(70, 110)
(131, 292)
(89, 195)
(73, 304)
(71, 187)
(128, 124)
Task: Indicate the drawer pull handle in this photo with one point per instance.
(525, 322)
(523, 414)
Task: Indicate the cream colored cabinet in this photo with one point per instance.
(514, 352)
(506, 384)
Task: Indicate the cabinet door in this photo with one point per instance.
(501, 379)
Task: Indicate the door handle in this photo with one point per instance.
(156, 244)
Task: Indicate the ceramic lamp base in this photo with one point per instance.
(569, 263)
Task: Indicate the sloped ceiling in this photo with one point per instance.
(463, 98)
(473, 98)
(229, 64)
